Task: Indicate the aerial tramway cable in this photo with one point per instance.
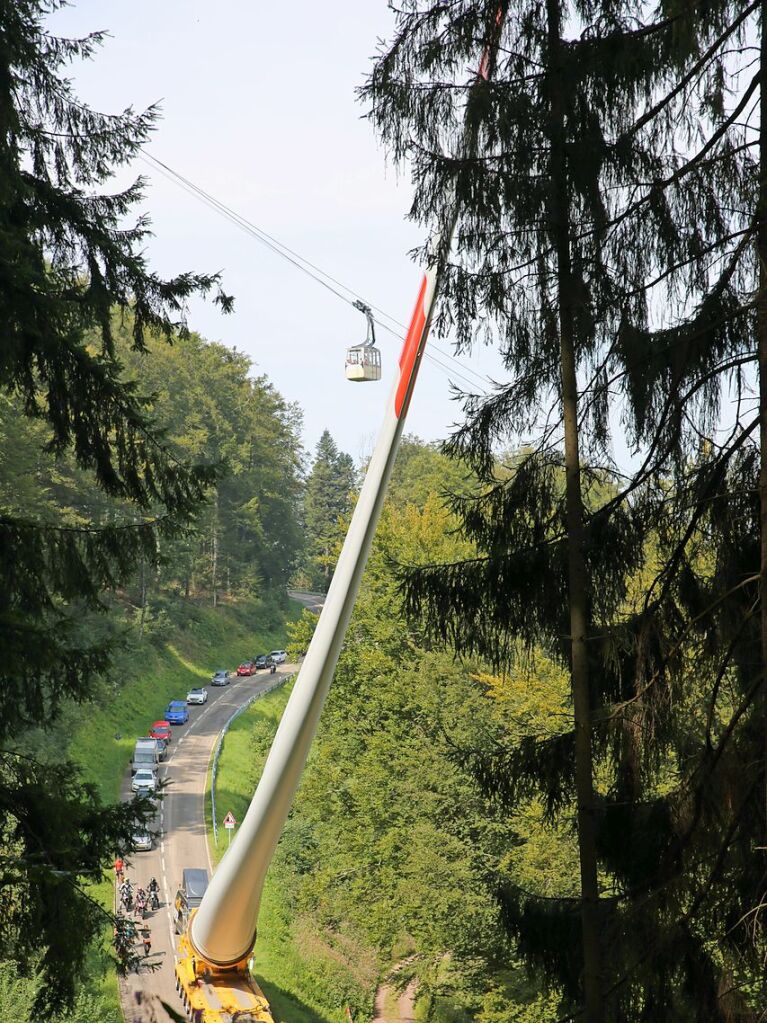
(222, 930)
(316, 273)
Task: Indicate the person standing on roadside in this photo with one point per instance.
(119, 868)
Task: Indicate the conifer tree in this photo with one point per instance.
(689, 378)
(328, 498)
(69, 257)
(565, 223)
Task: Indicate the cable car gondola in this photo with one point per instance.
(363, 362)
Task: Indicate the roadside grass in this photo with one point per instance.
(195, 641)
(102, 984)
(305, 976)
(154, 672)
(238, 770)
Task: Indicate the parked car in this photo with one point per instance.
(149, 741)
(176, 712)
(194, 883)
(145, 754)
(221, 678)
(144, 781)
(262, 661)
(141, 841)
(160, 730)
(278, 656)
(162, 748)
(197, 696)
(247, 668)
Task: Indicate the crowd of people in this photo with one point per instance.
(131, 931)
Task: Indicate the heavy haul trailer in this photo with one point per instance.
(212, 971)
(222, 995)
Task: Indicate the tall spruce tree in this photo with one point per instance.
(691, 375)
(327, 499)
(68, 259)
(566, 221)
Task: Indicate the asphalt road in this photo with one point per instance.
(313, 601)
(182, 842)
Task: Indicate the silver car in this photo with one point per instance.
(197, 696)
(144, 781)
(278, 656)
(141, 841)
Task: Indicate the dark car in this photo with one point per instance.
(194, 883)
(262, 661)
(221, 678)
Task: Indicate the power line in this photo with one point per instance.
(317, 274)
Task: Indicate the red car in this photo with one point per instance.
(160, 730)
(247, 668)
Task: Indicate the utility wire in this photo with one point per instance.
(301, 263)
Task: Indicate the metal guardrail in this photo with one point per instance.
(220, 742)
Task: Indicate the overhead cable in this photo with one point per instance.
(300, 262)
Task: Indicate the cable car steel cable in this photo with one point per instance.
(306, 266)
(212, 964)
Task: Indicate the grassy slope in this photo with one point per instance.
(303, 978)
(154, 672)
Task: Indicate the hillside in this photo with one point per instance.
(186, 643)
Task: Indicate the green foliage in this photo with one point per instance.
(327, 502)
(102, 483)
(18, 994)
(69, 257)
(391, 851)
(608, 196)
(307, 973)
(422, 473)
(248, 538)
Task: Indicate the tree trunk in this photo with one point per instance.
(214, 551)
(761, 320)
(143, 598)
(577, 572)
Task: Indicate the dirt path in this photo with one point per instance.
(394, 1006)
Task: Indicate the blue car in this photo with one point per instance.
(176, 713)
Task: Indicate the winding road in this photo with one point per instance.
(182, 842)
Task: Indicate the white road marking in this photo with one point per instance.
(226, 701)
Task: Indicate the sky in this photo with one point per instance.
(259, 109)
